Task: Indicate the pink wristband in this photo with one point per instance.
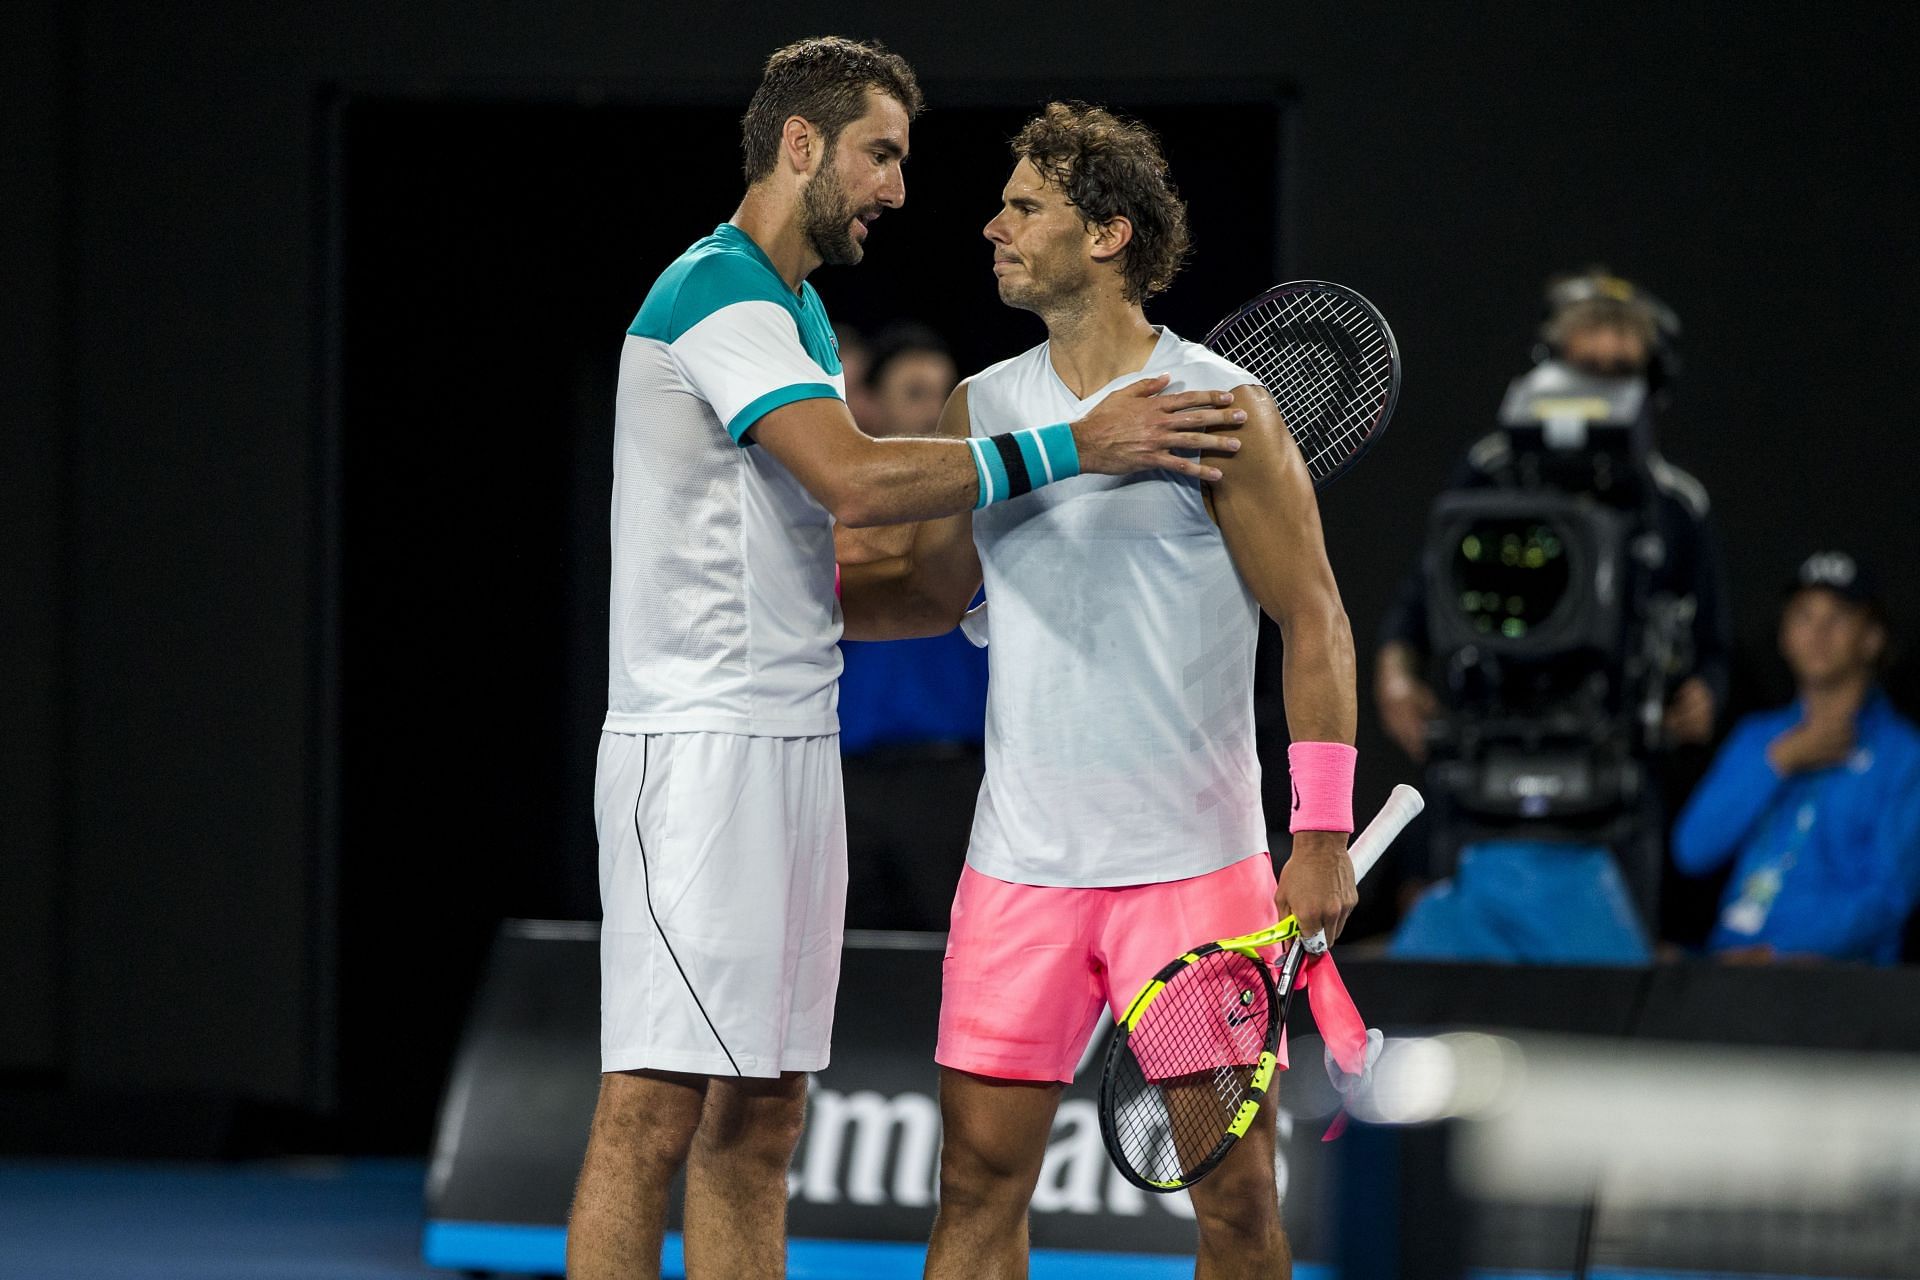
(1322, 786)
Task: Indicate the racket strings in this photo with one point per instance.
(1326, 361)
(1188, 1065)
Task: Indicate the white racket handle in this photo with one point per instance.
(1402, 807)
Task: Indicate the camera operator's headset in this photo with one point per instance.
(1663, 354)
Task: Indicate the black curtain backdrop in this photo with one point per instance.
(191, 876)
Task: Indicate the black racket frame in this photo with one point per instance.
(1386, 330)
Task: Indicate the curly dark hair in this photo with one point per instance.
(1109, 167)
(824, 81)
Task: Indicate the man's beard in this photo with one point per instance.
(1021, 296)
(1044, 298)
(826, 218)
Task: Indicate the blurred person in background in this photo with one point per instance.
(1816, 804)
(910, 373)
(912, 712)
(856, 358)
(1537, 889)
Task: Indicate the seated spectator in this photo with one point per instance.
(1817, 804)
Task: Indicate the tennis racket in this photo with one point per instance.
(1328, 359)
(1194, 1055)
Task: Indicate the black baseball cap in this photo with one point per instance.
(1840, 573)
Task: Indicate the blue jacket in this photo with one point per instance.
(907, 692)
(1827, 862)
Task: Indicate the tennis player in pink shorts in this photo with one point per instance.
(1120, 819)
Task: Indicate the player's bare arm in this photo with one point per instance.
(853, 546)
(864, 481)
(925, 590)
(1267, 513)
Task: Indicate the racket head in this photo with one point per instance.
(1329, 360)
(1190, 1063)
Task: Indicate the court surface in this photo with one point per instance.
(364, 1220)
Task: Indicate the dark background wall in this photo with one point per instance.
(171, 821)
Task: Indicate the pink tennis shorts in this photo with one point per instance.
(1028, 966)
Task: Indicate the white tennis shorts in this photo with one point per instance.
(723, 882)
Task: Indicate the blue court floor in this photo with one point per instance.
(332, 1220)
(364, 1220)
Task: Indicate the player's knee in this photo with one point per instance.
(643, 1124)
(767, 1140)
(759, 1128)
(1235, 1233)
(976, 1174)
(1240, 1214)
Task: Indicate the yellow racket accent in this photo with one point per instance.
(1140, 1003)
(1251, 943)
(1263, 1073)
(1262, 1077)
(1131, 1018)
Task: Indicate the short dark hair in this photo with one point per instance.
(903, 337)
(824, 81)
(1108, 167)
(1580, 301)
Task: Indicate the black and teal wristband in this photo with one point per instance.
(1021, 461)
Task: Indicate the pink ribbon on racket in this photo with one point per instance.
(1339, 1022)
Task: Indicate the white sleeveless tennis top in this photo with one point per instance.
(1120, 689)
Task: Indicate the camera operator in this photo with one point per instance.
(1558, 892)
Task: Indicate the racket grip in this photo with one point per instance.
(1402, 807)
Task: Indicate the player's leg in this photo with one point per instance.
(1237, 1207)
(1019, 997)
(643, 1128)
(736, 1212)
(701, 875)
(994, 1138)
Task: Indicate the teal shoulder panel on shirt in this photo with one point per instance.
(711, 275)
(816, 331)
(720, 270)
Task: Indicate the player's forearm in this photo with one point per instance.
(1317, 672)
(880, 542)
(901, 480)
(899, 599)
(878, 601)
(922, 593)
